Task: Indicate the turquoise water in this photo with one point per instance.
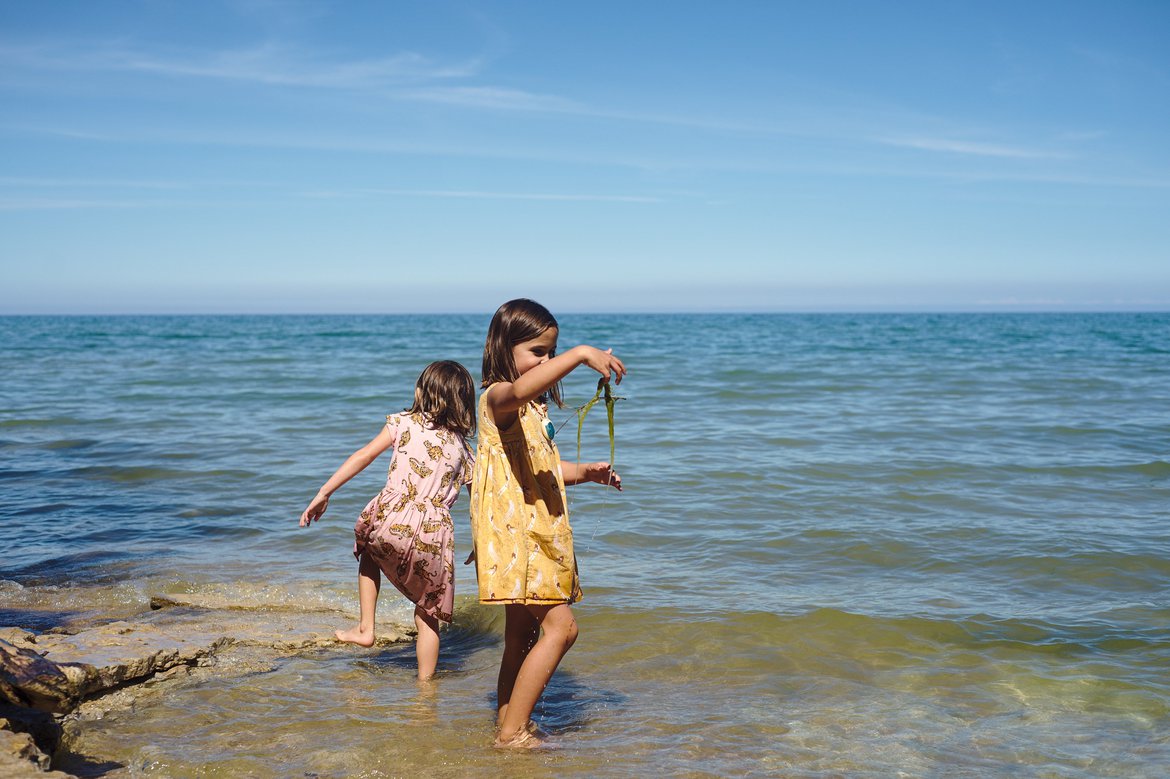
(855, 545)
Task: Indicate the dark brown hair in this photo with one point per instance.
(446, 397)
(514, 323)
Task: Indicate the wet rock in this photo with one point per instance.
(42, 727)
(122, 652)
(54, 671)
(17, 636)
(19, 756)
(89, 672)
(118, 653)
(28, 679)
(22, 756)
(231, 602)
(285, 627)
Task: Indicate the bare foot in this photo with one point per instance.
(356, 636)
(521, 739)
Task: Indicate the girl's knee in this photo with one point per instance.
(564, 631)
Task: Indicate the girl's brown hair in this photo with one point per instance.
(445, 394)
(514, 323)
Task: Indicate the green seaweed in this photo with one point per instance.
(610, 401)
(605, 393)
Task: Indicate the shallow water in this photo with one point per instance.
(872, 545)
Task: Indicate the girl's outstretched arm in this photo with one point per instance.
(599, 473)
(354, 464)
(505, 398)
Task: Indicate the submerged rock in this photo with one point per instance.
(53, 673)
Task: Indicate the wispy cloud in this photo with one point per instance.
(268, 63)
(59, 204)
(520, 100)
(952, 146)
(49, 183)
(487, 195)
(413, 77)
(404, 76)
(1082, 136)
(492, 97)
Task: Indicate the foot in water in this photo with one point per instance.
(521, 739)
(356, 636)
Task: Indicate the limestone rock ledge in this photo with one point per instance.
(52, 673)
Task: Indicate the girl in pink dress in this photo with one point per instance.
(406, 531)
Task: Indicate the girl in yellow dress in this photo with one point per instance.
(519, 515)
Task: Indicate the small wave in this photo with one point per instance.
(145, 473)
(1159, 468)
(44, 508)
(96, 566)
(41, 422)
(840, 633)
(71, 444)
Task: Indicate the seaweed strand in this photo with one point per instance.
(605, 394)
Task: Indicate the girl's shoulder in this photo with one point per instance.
(406, 420)
(421, 422)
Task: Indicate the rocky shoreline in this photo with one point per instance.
(56, 680)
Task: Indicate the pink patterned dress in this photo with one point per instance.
(407, 528)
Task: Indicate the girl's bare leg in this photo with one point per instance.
(521, 631)
(426, 646)
(369, 583)
(558, 632)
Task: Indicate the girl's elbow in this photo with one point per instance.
(366, 455)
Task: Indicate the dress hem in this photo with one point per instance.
(528, 601)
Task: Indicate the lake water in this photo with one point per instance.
(849, 545)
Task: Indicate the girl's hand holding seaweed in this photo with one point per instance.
(598, 473)
(539, 371)
(601, 361)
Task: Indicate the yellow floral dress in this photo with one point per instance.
(519, 515)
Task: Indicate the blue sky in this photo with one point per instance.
(250, 156)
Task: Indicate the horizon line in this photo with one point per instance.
(1161, 308)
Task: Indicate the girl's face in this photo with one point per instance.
(528, 354)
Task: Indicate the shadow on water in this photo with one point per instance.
(459, 644)
(85, 768)
(567, 703)
(64, 760)
(96, 567)
(37, 621)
